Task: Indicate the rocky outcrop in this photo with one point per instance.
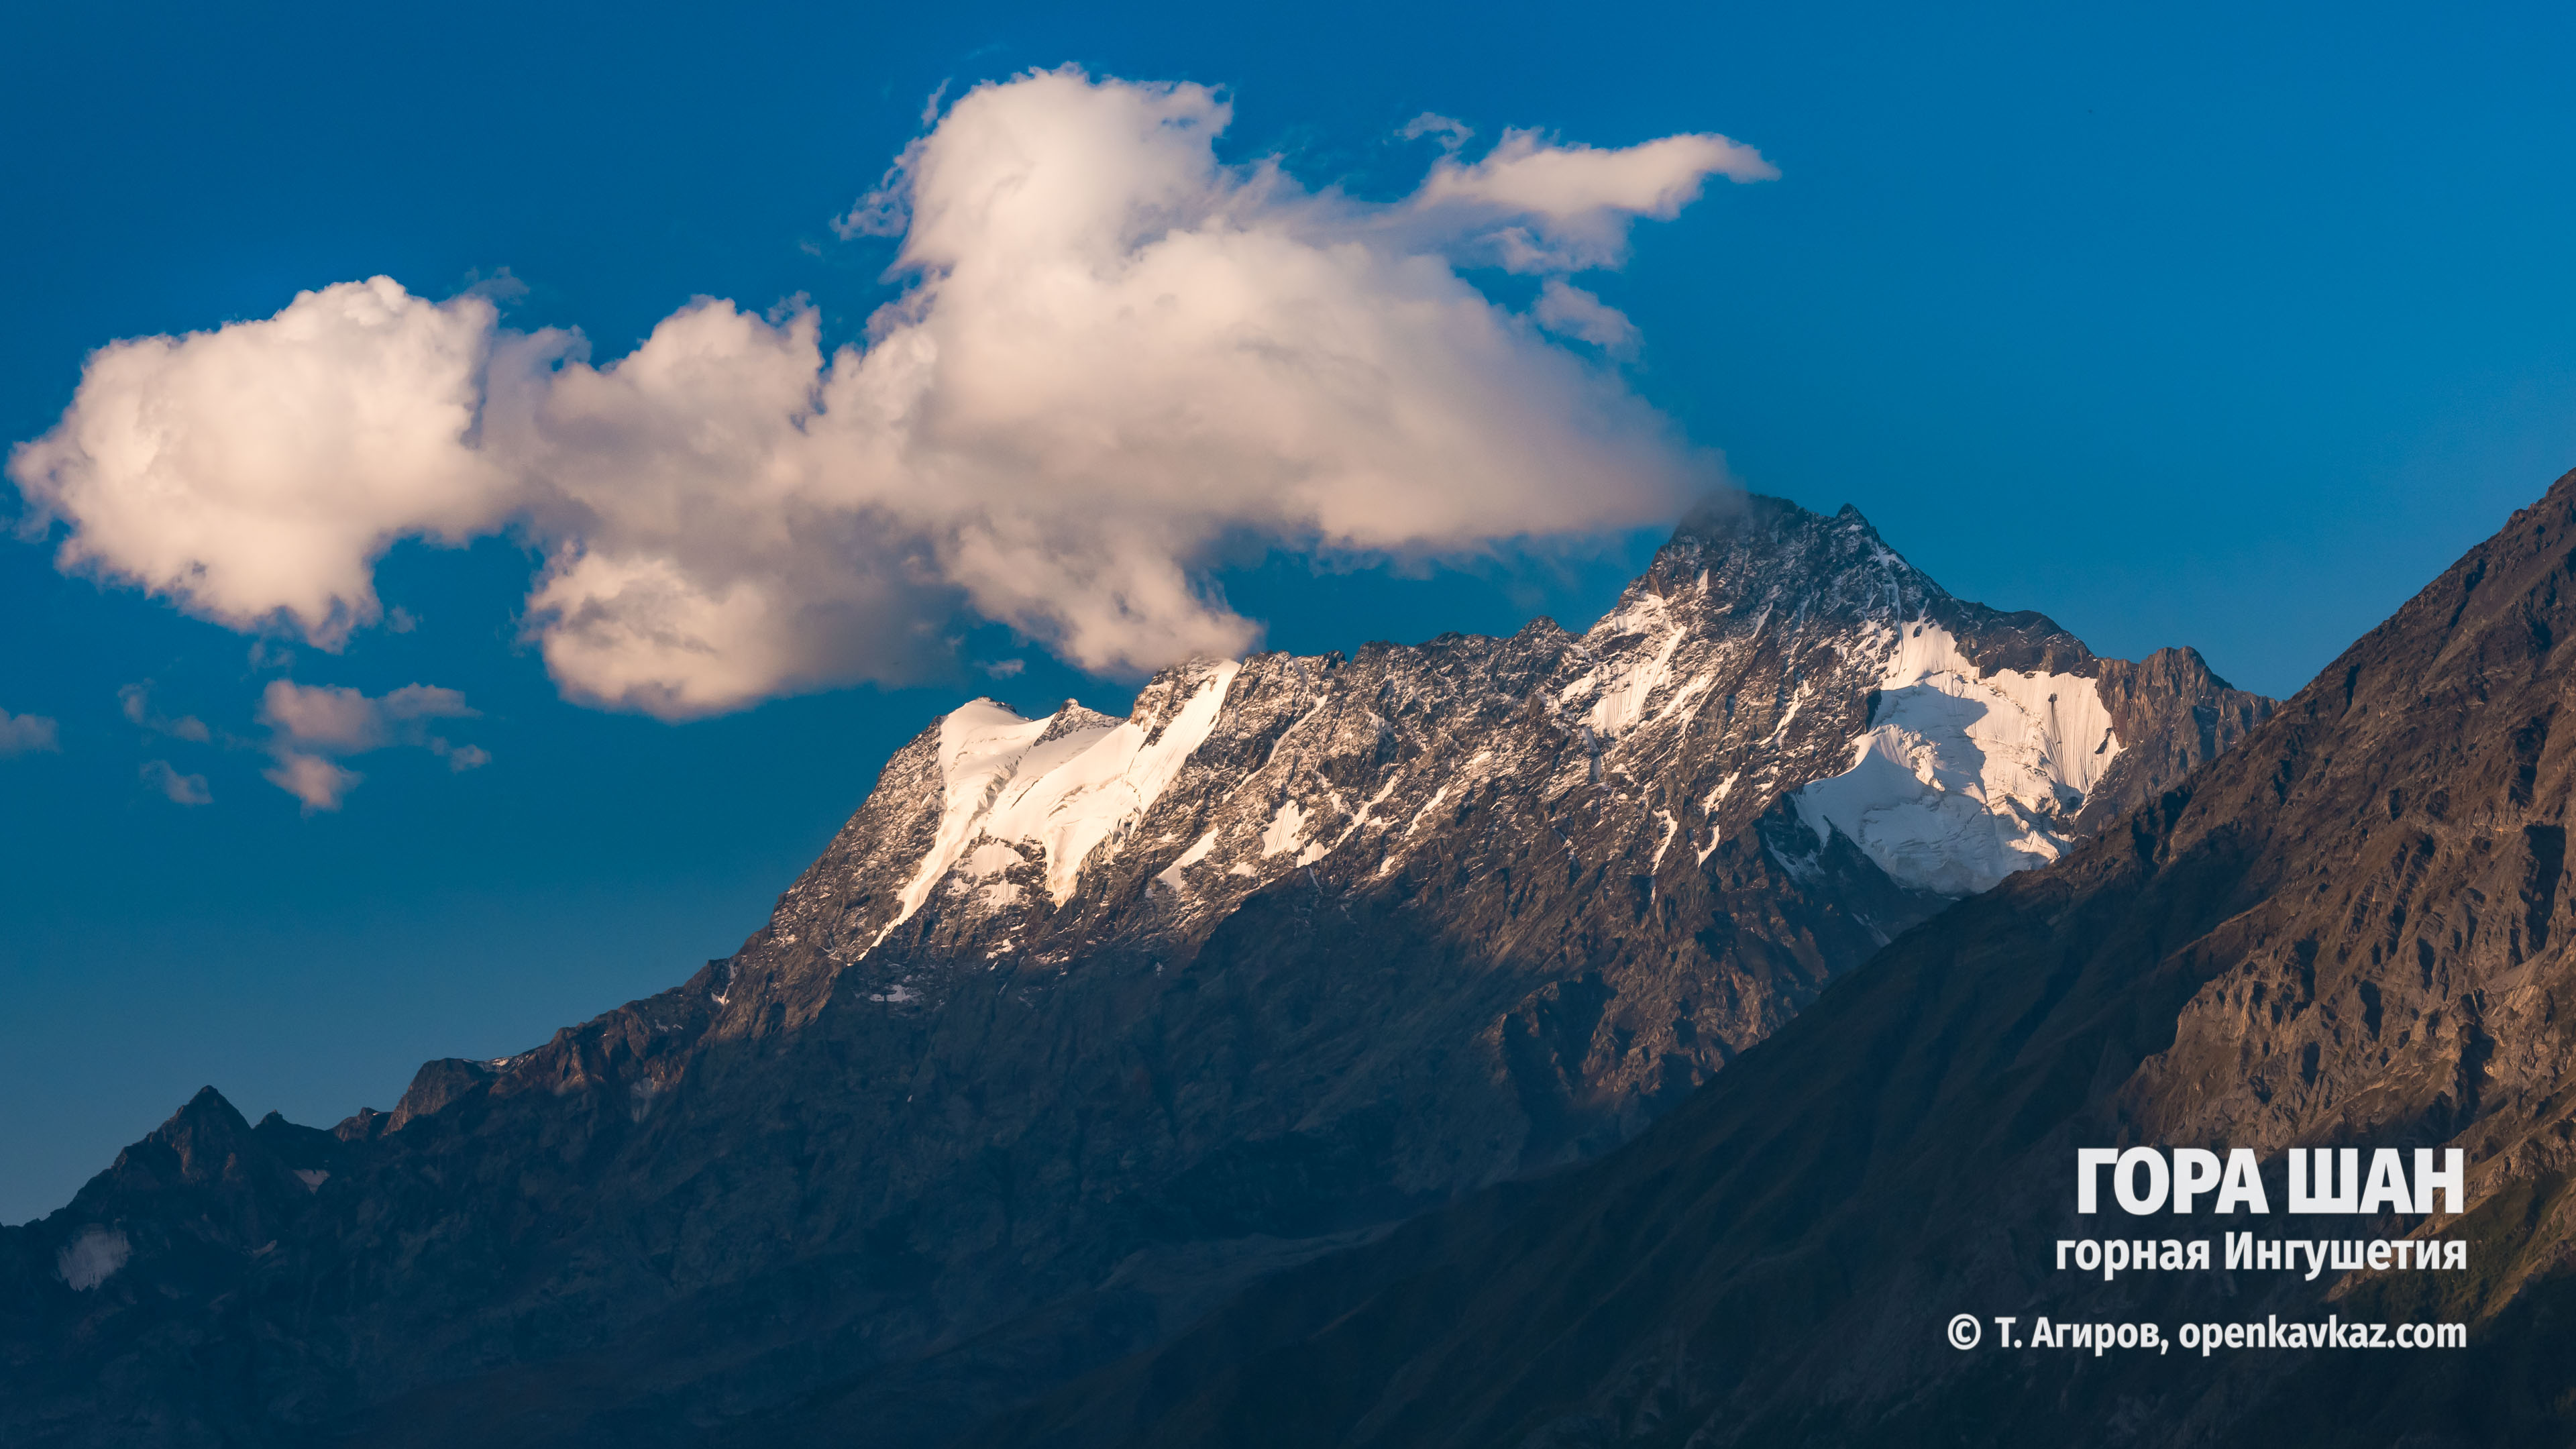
(1082, 1023)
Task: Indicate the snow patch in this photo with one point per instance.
(1366, 808)
(1625, 692)
(1692, 693)
(1170, 875)
(1286, 829)
(990, 858)
(1717, 796)
(1425, 812)
(312, 1178)
(1797, 702)
(1960, 781)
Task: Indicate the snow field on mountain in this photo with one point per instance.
(1002, 786)
(1961, 780)
(1621, 702)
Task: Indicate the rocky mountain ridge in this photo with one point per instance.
(1081, 1022)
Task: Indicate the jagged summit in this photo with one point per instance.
(1081, 1020)
(1766, 648)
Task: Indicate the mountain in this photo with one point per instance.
(2351, 930)
(1082, 1023)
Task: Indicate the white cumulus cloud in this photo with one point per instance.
(312, 779)
(136, 701)
(460, 758)
(1570, 311)
(1555, 208)
(1451, 132)
(1114, 355)
(175, 787)
(259, 469)
(311, 726)
(26, 734)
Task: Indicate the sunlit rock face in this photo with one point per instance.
(1082, 1022)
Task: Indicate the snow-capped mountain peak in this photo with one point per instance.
(1771, 665)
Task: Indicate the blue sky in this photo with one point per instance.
(2181, 324)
